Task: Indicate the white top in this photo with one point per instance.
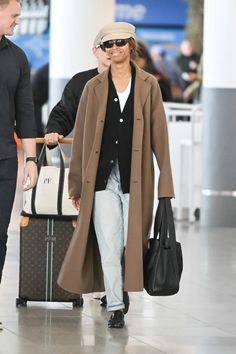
(123, 96)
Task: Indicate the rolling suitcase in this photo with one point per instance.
(43, 244)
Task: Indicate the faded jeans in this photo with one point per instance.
(110, 217)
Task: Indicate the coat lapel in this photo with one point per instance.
(141, 90)
(100, 90)
(142, 87)
(101, 94)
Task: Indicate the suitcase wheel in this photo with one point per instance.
(21, 302)
(78, 302)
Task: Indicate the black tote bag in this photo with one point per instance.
(163, 263)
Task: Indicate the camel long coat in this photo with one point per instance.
(81, 271)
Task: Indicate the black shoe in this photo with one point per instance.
(103, 302)
(117, 319)
(1, 326)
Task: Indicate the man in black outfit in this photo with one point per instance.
(62, 117)
(16, 113)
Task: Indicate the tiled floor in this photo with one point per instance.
(200, 319)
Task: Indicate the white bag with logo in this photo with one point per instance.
(50, 195)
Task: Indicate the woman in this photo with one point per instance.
(120, 124)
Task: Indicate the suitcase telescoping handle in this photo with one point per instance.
(62, 141)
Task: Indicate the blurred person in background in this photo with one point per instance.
(16, 113)
(193, 92)
(40, 84)
(143, 59)
(187, 62)
(169, 69)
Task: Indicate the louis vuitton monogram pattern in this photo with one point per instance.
(43, 244)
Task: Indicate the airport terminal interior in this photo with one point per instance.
(200, 319)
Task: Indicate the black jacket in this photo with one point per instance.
(62, 117)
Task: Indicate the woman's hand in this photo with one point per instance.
(76, 202)
(53, 138)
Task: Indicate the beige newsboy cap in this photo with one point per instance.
(97, 40)
(117, 30)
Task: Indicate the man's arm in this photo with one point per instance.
(25, 123)
(30, 171)
(62, 117)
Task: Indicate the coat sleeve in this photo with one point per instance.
(160, 143)
(76, 168)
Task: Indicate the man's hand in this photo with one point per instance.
(76, 202)
(30, 175)
(53, 138)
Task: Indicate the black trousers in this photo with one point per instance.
(8, 176)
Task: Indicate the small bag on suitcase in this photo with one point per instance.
(43, 244)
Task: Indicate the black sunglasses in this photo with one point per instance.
(117, 42)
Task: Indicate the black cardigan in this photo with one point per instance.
(117, 138)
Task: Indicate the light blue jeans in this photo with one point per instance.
(110, 217)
